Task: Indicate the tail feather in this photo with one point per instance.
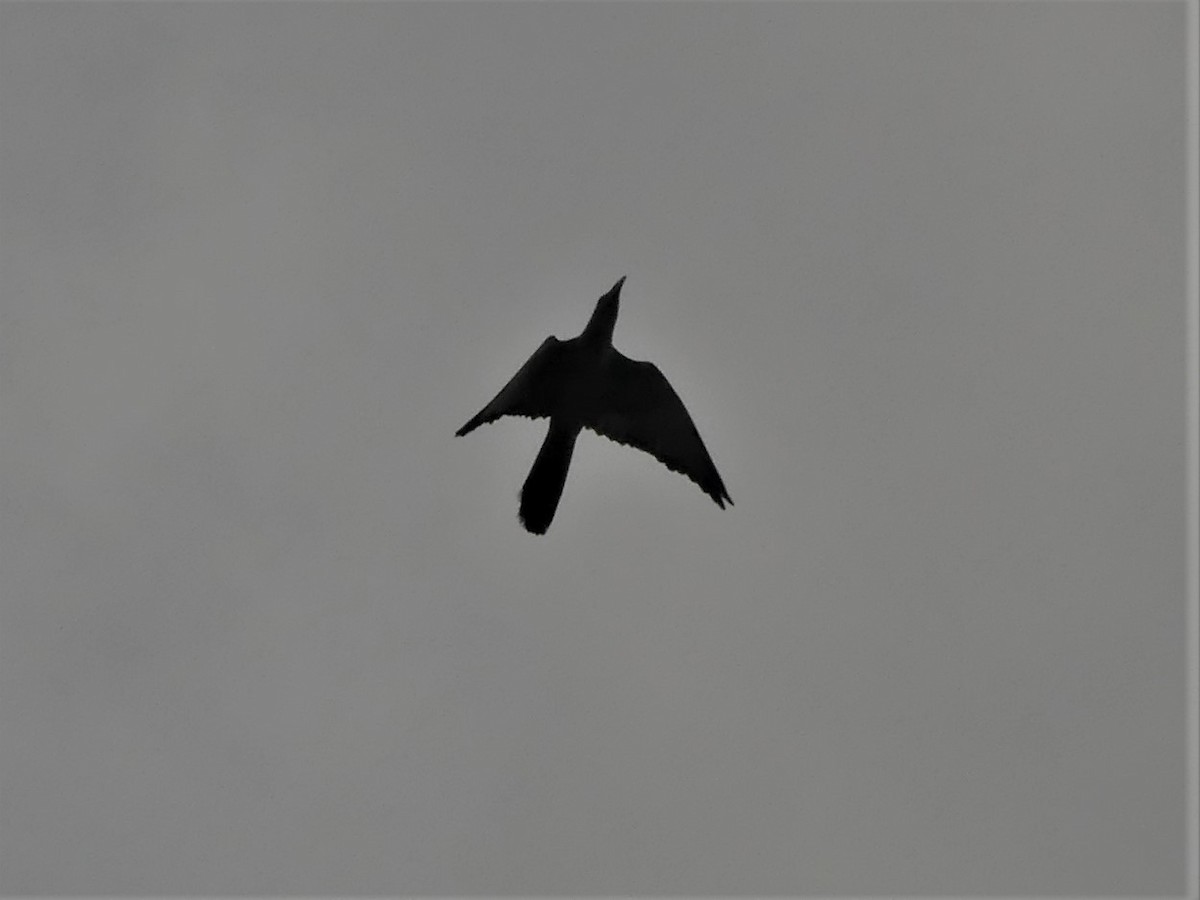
(544, 486)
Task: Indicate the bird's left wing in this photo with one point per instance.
(528, 393)
(642, 410)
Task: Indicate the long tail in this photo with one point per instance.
(544, 486)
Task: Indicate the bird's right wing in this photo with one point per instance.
(529, 392)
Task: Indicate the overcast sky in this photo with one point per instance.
(917, 270)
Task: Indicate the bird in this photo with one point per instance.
(585, 382)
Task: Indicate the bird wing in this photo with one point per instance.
(642, 410)
(528, 393)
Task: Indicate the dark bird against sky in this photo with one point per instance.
(586, 382)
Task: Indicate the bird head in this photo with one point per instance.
(604, 317)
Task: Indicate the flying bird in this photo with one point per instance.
(585, 382)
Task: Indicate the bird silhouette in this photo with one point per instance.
(585, 382)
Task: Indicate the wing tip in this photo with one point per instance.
(487, 420)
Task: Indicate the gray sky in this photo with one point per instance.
(917, 270)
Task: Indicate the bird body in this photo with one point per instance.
(585, 382)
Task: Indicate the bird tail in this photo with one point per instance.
(544, 486)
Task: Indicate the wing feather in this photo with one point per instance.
(529, 392)
(642, 410)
